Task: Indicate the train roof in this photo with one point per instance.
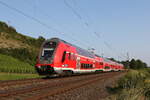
(112, 62)
(79, 50)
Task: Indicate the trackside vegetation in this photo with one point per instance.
(12, 65)
(135, 85)
(17, 76)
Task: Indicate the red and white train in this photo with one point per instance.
(60, 57)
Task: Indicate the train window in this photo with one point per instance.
(86, 66)
(107, 67)
(64, 56)
(47, 52)
(101, 63)
(50, 44)
(84, 52)
(69, 56)
(91, 65)
(72, 56)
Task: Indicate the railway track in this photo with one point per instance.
(19, 82)
(53, 87)
(10, 83)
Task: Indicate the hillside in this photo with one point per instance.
(17, 45)
(10, 38)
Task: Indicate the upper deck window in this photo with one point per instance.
(50, 45)
(84, 52)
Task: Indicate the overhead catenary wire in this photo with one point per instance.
(38, 21)
(79, 16)
(106, 43)
(95, 33)
(50, 27)
(42, 12)
(30, 17)
(76, 13)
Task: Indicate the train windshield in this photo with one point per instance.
(48, 50)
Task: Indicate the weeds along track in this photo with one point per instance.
(53, 86)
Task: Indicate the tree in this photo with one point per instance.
(133, 64)
(145, 65)
(140, 64)
(40, 40)
(125, 63)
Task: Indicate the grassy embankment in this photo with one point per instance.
(12, 69)
(16, 76)
(135, 85)
(12, 65)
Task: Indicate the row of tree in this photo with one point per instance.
(137, 64)
(134, 64)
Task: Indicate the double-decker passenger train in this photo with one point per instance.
(57, 56)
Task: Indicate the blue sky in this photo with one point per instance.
(124, 25)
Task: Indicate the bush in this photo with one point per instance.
(133, 86)
(22, 54)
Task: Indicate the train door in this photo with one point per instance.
(65, 60)
(68, 60)
(78, 63)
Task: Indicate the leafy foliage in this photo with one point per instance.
(137, 64)
(133, 64)
(133, 86)
(22, 54)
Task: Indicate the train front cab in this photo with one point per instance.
(58, 58)
(45, 60)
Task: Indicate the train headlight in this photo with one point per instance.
(65, 65)
(38, 66)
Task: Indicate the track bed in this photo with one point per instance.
(66, 88)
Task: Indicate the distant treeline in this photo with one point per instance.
(133, 64)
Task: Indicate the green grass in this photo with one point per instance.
(135, 85)
(15, 76)
(13, 65)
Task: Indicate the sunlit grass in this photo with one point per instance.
(16, 76)
(12, 65)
